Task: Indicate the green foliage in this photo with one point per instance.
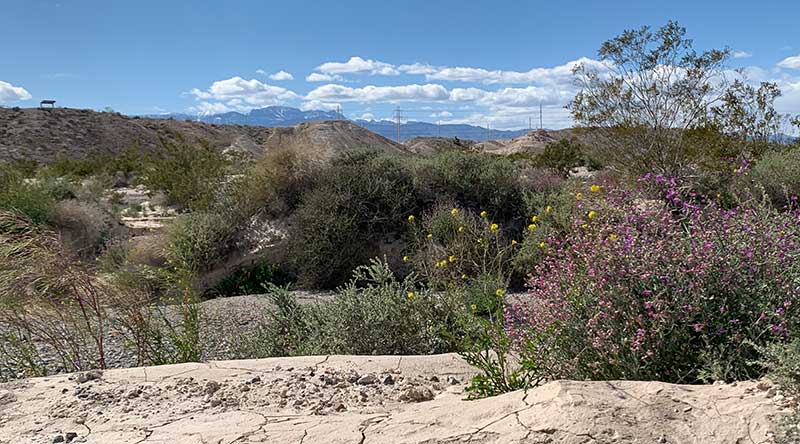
(782, 361)
(250, 280)
(562, 156)
(197, 241)
(374, 314)
(474, 181)
(189, 174)
(777, 174)
(23, 196)
(360, 200)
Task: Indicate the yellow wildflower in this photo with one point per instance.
(592, 214)
(594, 188)
(451, 258)
(513, 242)
(411, 218)
(454, 211)
(429, 235)
(484, 214)
(613, 237)
(460, 229)
(578, 195)
(410, 295)
(405, 258)
(584, 226)
(494, 227)
(480, 240)
(464, 276)
(535, 218)
(548, 209)
(474, 307)
(542, 245)
(531, 227)
(499, 292)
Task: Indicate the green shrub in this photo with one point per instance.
(562, 156)
(250, 280)
(475, 181)
(778, 174)
(373, 314)
(26, 197)
(189, 174)
(197, 241)
(360, 202)
(84, 227)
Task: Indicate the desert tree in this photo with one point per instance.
(653, 89)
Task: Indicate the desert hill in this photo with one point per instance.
(49, 134)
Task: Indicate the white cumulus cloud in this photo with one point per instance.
(552, 75)
(11, 93)
(742, 54)
(317, 77)
(243, 95)
(422, 93)
(790, 62)
(281, 75)
(357, 65)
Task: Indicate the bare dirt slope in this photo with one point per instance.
(432, 145)
(533, 142)
(363, 399)
(48, 134)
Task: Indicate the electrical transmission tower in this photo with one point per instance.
(398, 116)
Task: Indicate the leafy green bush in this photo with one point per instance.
(374, 314)
(250, 280)
(360, 202)
(197, 241)
(474, 181)
(778, 174)
(562, 156)
(26, 197)
(189, 174)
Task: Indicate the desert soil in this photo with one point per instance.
(363, 399)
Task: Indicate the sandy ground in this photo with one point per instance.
(383, 399)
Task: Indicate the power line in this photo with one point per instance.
(398, 116)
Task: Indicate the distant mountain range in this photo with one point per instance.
(276, 116)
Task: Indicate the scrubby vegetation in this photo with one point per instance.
(677, 262)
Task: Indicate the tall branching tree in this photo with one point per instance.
(655, 88)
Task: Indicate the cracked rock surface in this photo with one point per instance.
(370, 399)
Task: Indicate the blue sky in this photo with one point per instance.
(146, 57)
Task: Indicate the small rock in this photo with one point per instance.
(256, 380)
(133, 393)
(388, 380)
(416, 394)
(366, 380)
(215, 402)
(211, 387)
(434, 378)
(763, 385)
(57, 439)
(340, 407)
(687, 409)
(70, 436)
(452, 380)
(89, 376)
(244, 388)
(771, 392)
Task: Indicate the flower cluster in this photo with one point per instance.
(672, 290)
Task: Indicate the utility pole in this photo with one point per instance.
(540, 115)
(397, 116)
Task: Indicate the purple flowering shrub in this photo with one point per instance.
(673, 289)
